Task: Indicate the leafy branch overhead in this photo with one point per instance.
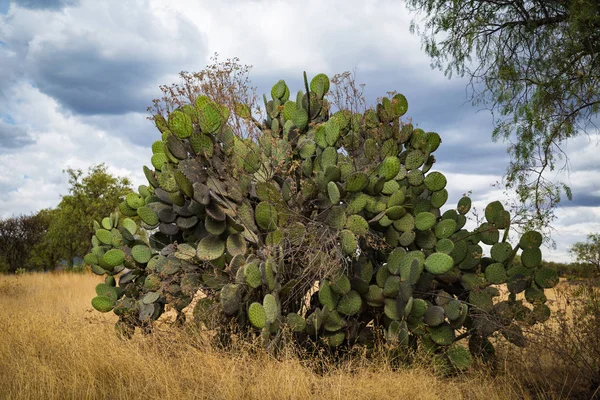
(326, 225)
(536, 64)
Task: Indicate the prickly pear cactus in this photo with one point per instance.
(326, 224)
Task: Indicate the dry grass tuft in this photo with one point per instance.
(55, 346)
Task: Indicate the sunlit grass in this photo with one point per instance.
(55, 346)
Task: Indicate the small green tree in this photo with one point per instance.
(536, 64)
(18, 235)
(588, 252)
(90, 197)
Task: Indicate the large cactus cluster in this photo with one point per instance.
(326, 225)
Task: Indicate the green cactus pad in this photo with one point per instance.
(453, 309)
(541, 312)
(107, 223)
(114, 257)
(488, 234)
(332, 132)
(152, 282)
(210, 248)
(148, 216)
(90, 259)
(296, 322)
(464, 205)
(271, 307)
(494, 212)
(333, 192)
(546, 277)
(434, 316)
(104, 236)
(389, 168)
(439, 263)
(340, 284)
(531, 257)
(481, 299)
(419, 307)
(230, 298)
(252, 274)
(390, 187)
(334, 322)
(320, 85)
(278, 90)
(445, 228)
(495, 274)
(307, 149)
(300, 119)
(357, 224)
(180, 124)
(442, 335)
(415, 177)
(424, 221)
(349, 304)
(266, 216)
(374, 297)
(399, 105)
(141, 253)
(236, 244)
(391, 288)
(391, 309)
(257, 315)
(327, 297)
(335, 339)
(435, 181)
(108, 291)
(501, 251)
(356, 182)
(405, 224)
(531, 240)
(102, 304)
(460, 357)
(130, 225)
(445, 246)
(414, 159)
(348, 242)
(210, 118)
(535, 296)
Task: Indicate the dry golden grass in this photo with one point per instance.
(55, 346)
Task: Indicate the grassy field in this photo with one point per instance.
(55, 346)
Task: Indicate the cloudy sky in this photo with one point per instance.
(76, 77)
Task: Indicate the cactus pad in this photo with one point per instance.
(102, 304)
(257, 315)
(439, 263)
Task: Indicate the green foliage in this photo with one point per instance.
(537, 65)
(19, 238)
(589, 251)
(90, 198)
(344, 219)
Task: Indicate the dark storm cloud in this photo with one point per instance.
(44, 4)
(134, 126)
(582, 198)
(105, 65)
(13, 137)
(84, 81)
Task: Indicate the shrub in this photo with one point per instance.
(327, 224)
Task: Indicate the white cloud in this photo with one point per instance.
(77, 80)
(33, 176)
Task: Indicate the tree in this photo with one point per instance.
(90, 198)
(589, 251)
(537, 65)
(18, 236)
(44, 255)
